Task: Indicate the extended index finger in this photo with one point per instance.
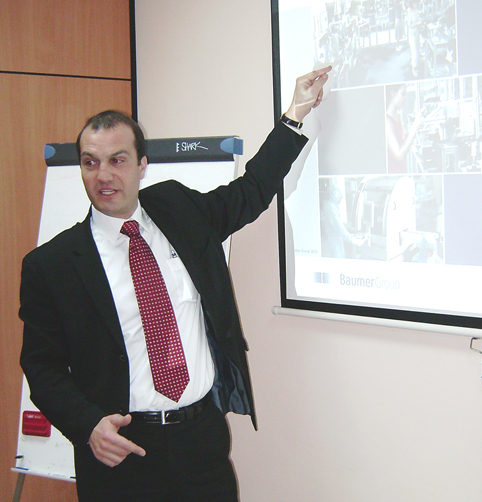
(315, 74)
(128, 446)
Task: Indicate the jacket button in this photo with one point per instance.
(123, 358)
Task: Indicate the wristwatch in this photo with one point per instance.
(291, 122)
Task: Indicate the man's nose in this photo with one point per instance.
(105, 172)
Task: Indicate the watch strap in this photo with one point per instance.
(291, 122)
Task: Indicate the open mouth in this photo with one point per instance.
(107, 191)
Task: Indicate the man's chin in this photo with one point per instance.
(114, 211)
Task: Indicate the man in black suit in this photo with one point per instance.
(84, 352)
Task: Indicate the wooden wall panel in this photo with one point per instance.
(41, 41)
(67, 37)
(41, 109)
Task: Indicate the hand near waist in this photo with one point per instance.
(108, 445)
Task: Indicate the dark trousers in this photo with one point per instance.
(186, 462)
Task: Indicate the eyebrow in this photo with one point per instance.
(115, 154)
(120, 152)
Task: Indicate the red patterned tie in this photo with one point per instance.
(166, 356)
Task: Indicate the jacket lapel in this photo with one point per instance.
(88, 264)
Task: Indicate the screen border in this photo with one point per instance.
(363, 311)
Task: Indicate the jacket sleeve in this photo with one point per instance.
(45, 361)
(229, 208)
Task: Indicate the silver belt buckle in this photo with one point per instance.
(163, 419)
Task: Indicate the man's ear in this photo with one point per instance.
(143, 166)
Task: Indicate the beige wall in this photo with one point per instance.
(347, 413)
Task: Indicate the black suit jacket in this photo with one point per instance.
(73, 353)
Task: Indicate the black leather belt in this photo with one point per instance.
(170, 416)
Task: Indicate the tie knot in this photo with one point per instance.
(130, 228)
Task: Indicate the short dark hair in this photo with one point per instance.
(110, 119)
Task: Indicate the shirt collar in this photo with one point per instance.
(110, 227)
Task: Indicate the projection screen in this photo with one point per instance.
(380, 216)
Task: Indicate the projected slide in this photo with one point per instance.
(383, 209)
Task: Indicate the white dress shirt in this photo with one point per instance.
(113, 248)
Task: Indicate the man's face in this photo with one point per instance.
(110, 170)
